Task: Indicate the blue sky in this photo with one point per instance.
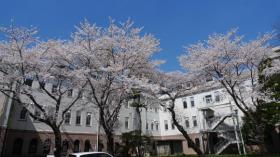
(175, 22)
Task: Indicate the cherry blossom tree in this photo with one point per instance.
(114, 60)
(24, 60)
(166, 89)
(234, 64)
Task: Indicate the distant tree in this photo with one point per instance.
(234, 64)
(23, 60)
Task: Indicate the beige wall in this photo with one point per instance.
(27, 135)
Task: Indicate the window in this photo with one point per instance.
(65, 145)
(172, 125)
(164, 109)
(88, 119)
(208, 99)
(76, 146)
(217, 97)
(156, 126)
(17, 146)
(87, 147)
(147, 126)
(156, 110)
(23, 114)
(47, 146)
(192, 101)
(37, 114)
(197, 142)
(78, 117)
(187, 123)
(188, 84)
(67, 118)
(126, 122)
(126, 104)
(209, 78)
(185, 105)
(42, 85)
(54, 88)
(194, 121)
(152, 126)
(28, 81)
(33, 146)
(70, 93)
(166, 124)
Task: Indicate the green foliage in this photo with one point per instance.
(133, 140)
(267, 113)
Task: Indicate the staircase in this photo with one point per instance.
(226, 134)
(216, 121)
(227, 138)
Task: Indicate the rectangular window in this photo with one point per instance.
(194, 121)
(166, 124)
(126, 122)
(164, 109)
(28, 81)
(208, 99)
(70, 92)
(37, 114)
(67, 117)
(187, 123)
(209, 78)
(88, 119)
(192, 101)
(156, 126)
(172, 125)
(127, 104)
(54, 88)
(197, 142)
(78, 117)
(185, 105)
(147, 126)
(42, 85)
(156, 110)
(23, 114)
(152, 126)
(217, 97)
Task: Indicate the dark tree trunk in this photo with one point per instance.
(185, 134)
(110, 142)
(57, 135)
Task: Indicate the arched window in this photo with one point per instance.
(65, 145)
(76, 146)
(33, 146)
(47, 146)
(17, 146)
(87, 147)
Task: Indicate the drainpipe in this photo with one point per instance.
(235, 128)
(242, 141)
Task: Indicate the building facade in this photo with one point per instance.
(25, 136)
(207, 113)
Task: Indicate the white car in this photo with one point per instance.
(90, 154)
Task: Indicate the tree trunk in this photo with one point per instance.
(110, 142)
(185, 134)
(57, 135)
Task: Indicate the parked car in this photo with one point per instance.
(90, 154)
